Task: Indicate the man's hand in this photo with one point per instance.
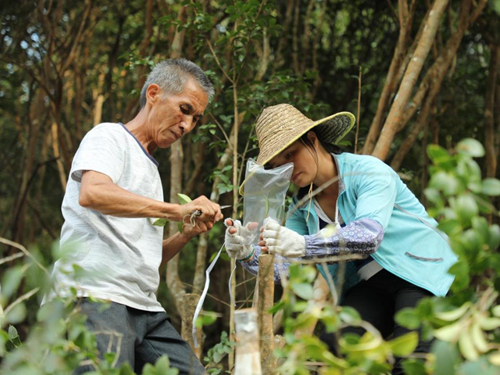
(276, 239)
(238, 239)
(189, 231)
(210, 211)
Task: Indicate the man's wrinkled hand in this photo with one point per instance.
(276, 239)
(189, 230)
(209, 211)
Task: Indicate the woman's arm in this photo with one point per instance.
(281, 265)
(362, 236)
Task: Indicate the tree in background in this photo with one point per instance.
(429, 75)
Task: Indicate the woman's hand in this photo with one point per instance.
(276, 239)
(238, 239)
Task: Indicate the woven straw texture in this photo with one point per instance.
(279, 126)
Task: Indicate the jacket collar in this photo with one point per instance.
(339, 164)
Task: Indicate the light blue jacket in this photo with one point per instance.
(383, 218)
(412, 248)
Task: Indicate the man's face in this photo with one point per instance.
(175, 115)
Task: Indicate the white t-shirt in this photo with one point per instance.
(120, 255)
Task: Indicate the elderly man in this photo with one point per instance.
(113, 196)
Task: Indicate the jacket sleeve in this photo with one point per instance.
(281, 265)
(362, 237)
(375, 189)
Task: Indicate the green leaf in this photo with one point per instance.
(206, 318)
(446, 357)
(480, 367)
(160, 222)
(446, 182)
(471, 147)
(303, 290)
(437, 154)
(491, 186)
(17, 314)
(349, 315)
(280, 305)
(408, 317)
(494, 236)
(403, 346)
(183, 198)
(414, 367)
(110, 357)
(11, 280)
(461, 270)
(466, 207)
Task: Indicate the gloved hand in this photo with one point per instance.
(239, 239)
(277, 239)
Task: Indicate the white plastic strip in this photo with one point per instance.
(204, 295)
(231, 297)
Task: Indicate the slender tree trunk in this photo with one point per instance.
(489, 111)
(134, 102)
(174, 282)
(295, 38)
(284, 40)
(306, 37)
(435, 77)
(412, 72)
(425, 163)
(405, 21)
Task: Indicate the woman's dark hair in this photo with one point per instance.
(332, 149)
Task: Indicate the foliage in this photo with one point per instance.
(368, 354)
(466, 324)
(59, 340)
(216, 354)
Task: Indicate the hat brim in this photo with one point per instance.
(335, 120)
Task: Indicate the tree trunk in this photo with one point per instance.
(134, 102)
(435, 77)
(489, 111)
(265, 319)
(174, 281)
(410, 78)
(405, 21)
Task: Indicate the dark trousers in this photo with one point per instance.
(146, 337)
(377, 300)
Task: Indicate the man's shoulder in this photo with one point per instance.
(104, 132)
(106, 127)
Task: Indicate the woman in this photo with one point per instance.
(374, 211)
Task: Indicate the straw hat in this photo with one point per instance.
(279, 126)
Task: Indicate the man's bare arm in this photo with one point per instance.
(172, 245)
(98, 192)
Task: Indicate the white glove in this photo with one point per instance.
(282, 241)
(239, 244)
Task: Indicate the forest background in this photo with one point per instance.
(414, 73)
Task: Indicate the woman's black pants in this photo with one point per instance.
(377, 300)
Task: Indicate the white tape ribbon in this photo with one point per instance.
(204, 295)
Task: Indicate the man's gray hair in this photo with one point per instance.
(171, 75)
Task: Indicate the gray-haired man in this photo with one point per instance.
(113, 196)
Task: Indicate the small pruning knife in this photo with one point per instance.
(197, 213)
